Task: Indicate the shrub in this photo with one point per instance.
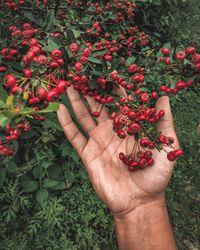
(41, 181)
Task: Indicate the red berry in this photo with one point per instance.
(74, 47)
(178, 152)
(181, 55)
(180, 85)
(27, 73)
(42, 60)
(86, 52)
(190, 50)
(161, 113)
(96, 114)
(3, 69)
(143, 163)
(61, 87)
(150, 162)
(144, 142)
(196, 58)
(52, 95)
(121, 134)
(108, 57)
(133, 166)
(165, 51)
(197, 67)
(133, 68)
(34, 100)
(53, 65)
(154, 95)
(78, 66)
(41, 93)
(33, 42)
(122, 156)
(171, 156)
(9, 81)
(167, 61)
(144, 97)
(135, 127)
(56, 54)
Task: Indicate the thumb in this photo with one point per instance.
(166, 124)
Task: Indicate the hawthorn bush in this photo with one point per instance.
(46, 47)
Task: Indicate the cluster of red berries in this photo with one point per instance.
(178, 86)
(123, 9)
(138, 162)
(192, 57)
(15, 4)
(14, 134)
(189, 54)
(96, 62)
(129, 123)
(47, 88)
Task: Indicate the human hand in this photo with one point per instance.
(121, 190)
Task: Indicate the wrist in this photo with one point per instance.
(146, 227)
(141, 214)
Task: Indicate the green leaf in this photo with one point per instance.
(180, 48)
(30, 186)
(9, 102)
(4, 120)
(2, 105)
(186, 61)
(2, 176)
(61, 185)
(3, 96)
(31, 18)
(70, 37)
(94, 60)
(77, 33)
(130, 60)
(50, 20)
(167, 46)
(42, 196)
(12, 167)
(115, 63)
(38, 171)
(53, 107)
(96, 73)
(100, 52)
(49, 183)
(109, 86)
(54, 171)
(104, 65)
(75, 156)
(52, 44)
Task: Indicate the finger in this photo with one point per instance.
(120, 91)
(94, 106)
(166, 124)
(80, 110)
(72, 133)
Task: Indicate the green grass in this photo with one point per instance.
(183, 191)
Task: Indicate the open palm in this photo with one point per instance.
(120, 189)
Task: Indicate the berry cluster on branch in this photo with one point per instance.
(99, 59)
